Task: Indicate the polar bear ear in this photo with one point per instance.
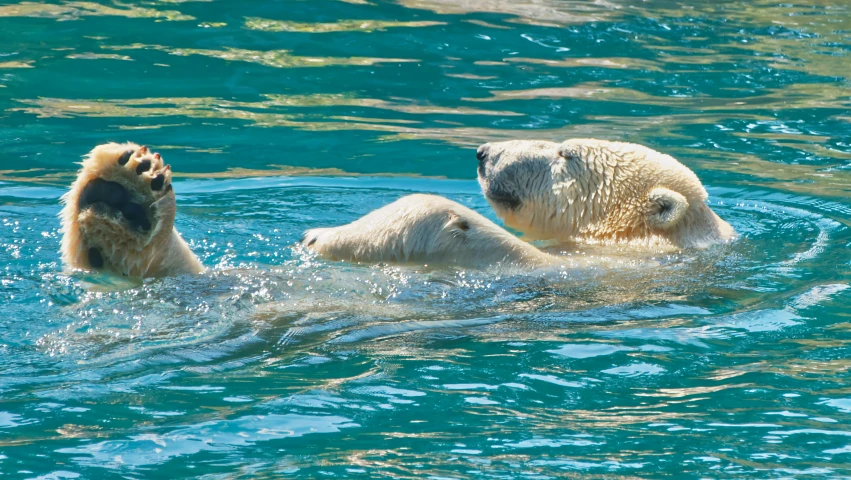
(569, 150)
(456, 222)
(665, 208)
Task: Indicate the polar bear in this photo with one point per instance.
(425, 229)
(596, 191)
(119, 216)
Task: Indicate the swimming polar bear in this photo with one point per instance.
(119, 216)
(595, 191)
(425, 229)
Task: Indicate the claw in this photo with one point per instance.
(157, 156)
(142, 151)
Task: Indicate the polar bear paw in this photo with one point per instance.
(119, 211)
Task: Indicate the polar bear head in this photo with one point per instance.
(597, 191)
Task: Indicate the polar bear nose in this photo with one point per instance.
(482, 152)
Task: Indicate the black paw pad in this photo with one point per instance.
(114, 196)
(312, 241)
(136, 216)
(99, 190)
(95, 258)
(143, 167)
(125, 157)
(157, 182)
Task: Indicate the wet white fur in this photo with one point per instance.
(425, 229)
(579, 190)
(159, 252)
(597, 191)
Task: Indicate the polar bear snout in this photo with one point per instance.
(504, 174)
(482, 152)
(482, 157)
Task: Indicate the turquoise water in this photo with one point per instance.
(281, 116)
